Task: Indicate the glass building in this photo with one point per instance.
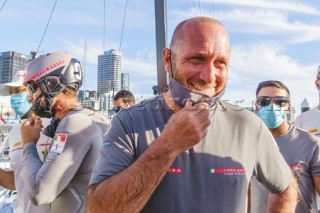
(10, 63)
(109, 72)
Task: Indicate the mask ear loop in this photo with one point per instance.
(171, 63)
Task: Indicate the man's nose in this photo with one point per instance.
(208, 73)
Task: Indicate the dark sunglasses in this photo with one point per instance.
(32, 88)
(278, 100)
(116, 109)
(51, 84)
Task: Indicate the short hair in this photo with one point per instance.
(126, 95)
(272, 83)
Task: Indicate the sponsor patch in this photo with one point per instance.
(108, 143)
(228, 171)
(296, 166)
(175, 170)
(59, 141)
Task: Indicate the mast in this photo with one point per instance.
(161, 35)
(84, 61)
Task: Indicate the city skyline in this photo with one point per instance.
(270, 39)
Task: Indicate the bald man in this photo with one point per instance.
(186, 150)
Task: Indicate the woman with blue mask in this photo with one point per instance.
(12, 179)
(299, 148)
(20, 104)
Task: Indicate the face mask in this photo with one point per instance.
(41, 110)
(116, 110)
(272, 115)
(50, 130)
(20, 104)
(181, 94)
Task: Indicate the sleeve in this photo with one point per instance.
(271, 169)
(116, 153)
(46, 180)
(314, 164)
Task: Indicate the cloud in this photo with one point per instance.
(276, 24)
(141, 66)
(291, 6)
(266, 61)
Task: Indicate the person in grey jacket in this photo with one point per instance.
(61, 180)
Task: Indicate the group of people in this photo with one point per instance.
(52, 95)
(185, 150)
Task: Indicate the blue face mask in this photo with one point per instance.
(20, 104)
(272, 115)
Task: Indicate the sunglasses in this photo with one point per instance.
(51, 84)
(117, 109)
(32, 88)
(278, 100)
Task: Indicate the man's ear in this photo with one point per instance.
(317, 83)
(166, 55)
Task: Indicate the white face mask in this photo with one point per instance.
(181, 94)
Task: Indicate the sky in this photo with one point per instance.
(270, 40)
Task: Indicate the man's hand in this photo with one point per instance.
(30, 130)
(186, 127)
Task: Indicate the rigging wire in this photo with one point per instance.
(212, 9)
(4, 3)
(84, 66)
(194, 7)
(124, 19)
(104, 23)
(54, 6)
(199, 6)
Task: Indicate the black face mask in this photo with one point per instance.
(116, 110)
(50, 130)
(39, 110)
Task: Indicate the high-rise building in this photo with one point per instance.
(125, 81)
(10, 63)
(86, 95)
(109, 72)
